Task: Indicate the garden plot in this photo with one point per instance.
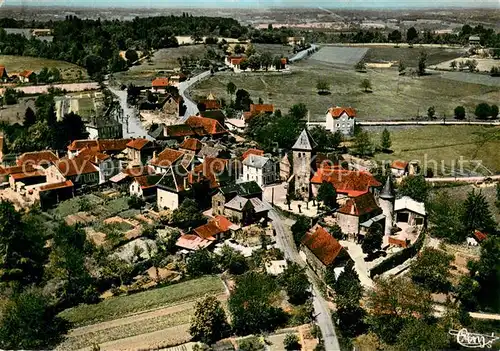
(340, 55)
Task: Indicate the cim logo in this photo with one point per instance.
(474, 340)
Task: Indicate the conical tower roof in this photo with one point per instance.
(387, 192)
(305, 142)
(211, 96)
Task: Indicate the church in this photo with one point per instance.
(363, 201)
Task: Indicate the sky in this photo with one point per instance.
(382, 4)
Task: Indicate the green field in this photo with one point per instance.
(18, 64)
(121, 306)
(393, 96)
(410, 56)
(445, 145)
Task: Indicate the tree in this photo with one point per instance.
(494, 111)
(472, 64)
(431, 112)
(10, 96)
(254, 62)
(298, 111)
(373, 239)
(385, 141)
(250, 304)
(266, 59)
(411, 35)
(21, 247)
(394, 302)
(483, 111)
(432, 270)
(360, 66)
(136, 202)
(336, 232)
(67, 266)
(291, 342)
(131, 56)
(422, 62)
(29, 117)
(43, 75)
(350, 319)
(453, 65)
(209, 322)
(294, 280)
(188, 215)
(325, 139)
(231, 89)
(348, 289)
(363, 144)
(232, 260)
(366, 85)
(415, 187)
(402, 68)
(422, 335)
(445, 215)
(201, 262)
(117, 64)
(459, 112)
(327, 194)
(70, 128)
(243, 100)
(323, 87)
(29, 322)
(95, 66)
(55, 75)
(252, 343)
(300, 228)
(476, 214)
(481, 288)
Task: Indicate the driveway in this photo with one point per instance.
(191, 107)
(284, 240)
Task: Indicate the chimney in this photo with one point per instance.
(154, 155)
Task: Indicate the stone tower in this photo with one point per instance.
(386, 203)
(303, 152)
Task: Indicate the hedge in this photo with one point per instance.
(399, 257)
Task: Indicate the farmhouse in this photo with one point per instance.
(260, 169)
(474, 40)
(341, 119)
(173, 188)
(160, 84)
(27, 77)
(78, 170)
(256, 109)
(409, 212)
(140, 150)
(144, 186)
(319, 249)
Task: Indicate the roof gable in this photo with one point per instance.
(256, 161)
(304, 142)
(324, 246)
(167, 157)
(361, 205)
(139, 143)
(337, 111)
(352, 183)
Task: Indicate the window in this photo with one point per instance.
(419, 221)
(248, 176)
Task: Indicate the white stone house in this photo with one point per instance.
(172, 188)
(410, 212)
(341, 119)
(260, 169)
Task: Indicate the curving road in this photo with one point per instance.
(191, 107)
(284, 239)
(301, 54)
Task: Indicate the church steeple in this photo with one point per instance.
(387, 192)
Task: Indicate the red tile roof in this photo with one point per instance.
(24, 175)
(206, 125)
(167, 157)
(479, 236)
(112, 145)
(138, 144)
(19, 169)
(211, 168)
(75, 166)
(160, 83)
(54, 186)
(192, 242)
(191, 144)
(360, 205)
(252, 152)
(80, 144)
(211, 104)
(26, 74)
(138, 171)
(37, 158)
(3, 71)
(148, 181)
(324, 246)
(179, 130)
(215, 226)
(261, 108)
(236, 60)
(351, 183)
(336, 112)
(399, 164)
(92, 155)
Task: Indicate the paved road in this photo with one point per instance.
(284, 239)
(301, 54)
(462, 179)
(191, 108)
(448, 122)
(132, 125)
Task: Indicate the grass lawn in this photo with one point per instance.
(274, 49)
(122, 306)
(21, 63)
(393, 96)
(445, 145)
(410, 56)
